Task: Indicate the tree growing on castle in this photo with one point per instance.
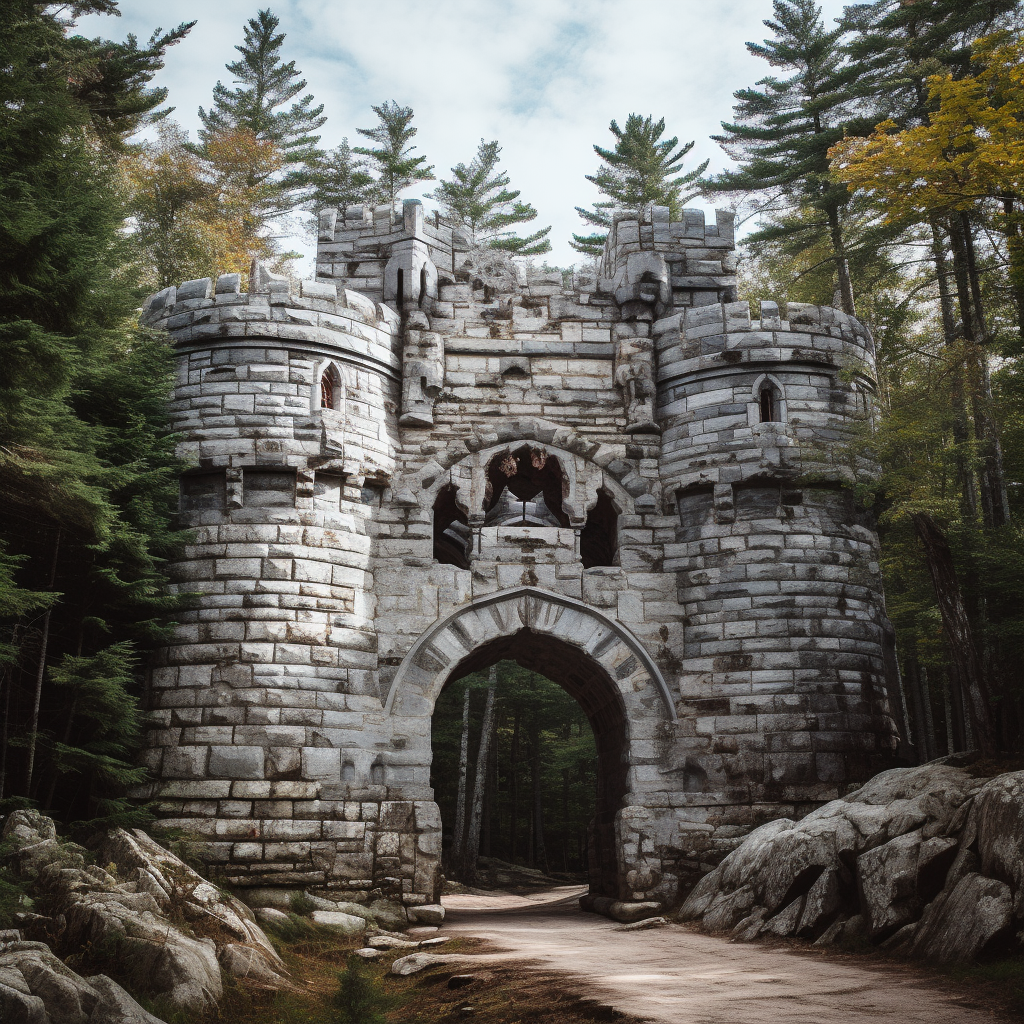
(642, 168)
(477, 196)
(392, 158)
(259, 105)
(337, 179)
(784, 127)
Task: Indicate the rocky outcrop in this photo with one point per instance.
(159, 922)
(37, 987)
(926, 861)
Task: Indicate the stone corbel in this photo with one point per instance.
(634, 373)
(422, 372)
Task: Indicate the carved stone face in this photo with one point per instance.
(643, 288)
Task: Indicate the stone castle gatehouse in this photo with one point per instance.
(425, 461)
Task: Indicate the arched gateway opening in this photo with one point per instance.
(595, 659)
(586, 682)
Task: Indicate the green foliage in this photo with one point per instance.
(265, 85)
(642, 168)
(478, 197)
(361, 997)
(337, 179)
(898, 45)
(87, 464)
(302, 904)
(392, 157)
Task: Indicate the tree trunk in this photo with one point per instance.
(929, 714)
(513, 785)
(994, 501)
(912, 675)
(1015, 251)
(40, 673)
(459, 835)
(961, 435)
(842, 266)
(540, 854)
(480, 778)
(957, 627)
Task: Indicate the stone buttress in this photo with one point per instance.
(427, 460)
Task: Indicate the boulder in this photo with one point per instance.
(999, 821)
(897, 879)
(428, 913)
(133, 910)
(347, 924)
(824, 901)
(416, 962)
(37, 987)
(905, 834)
(388, 914)
(960, 923)
(390, 942)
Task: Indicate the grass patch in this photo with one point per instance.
(998, 982)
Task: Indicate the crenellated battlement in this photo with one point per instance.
(711, 338)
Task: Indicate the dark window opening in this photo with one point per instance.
(423, 285)
(525, 487)
(451, 530)
(202, 490)
(599, 537)
(400, 297)
(769, 403)
(268, 488)
(326, 392)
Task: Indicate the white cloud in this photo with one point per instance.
(544, 77)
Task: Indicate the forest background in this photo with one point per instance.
(881, 160)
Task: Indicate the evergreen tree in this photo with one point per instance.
(266, 84)
(478, 197)
(392, 158)
(784, 127)
(897, 46)
(641, 169)
(87, 465)
(336, 180)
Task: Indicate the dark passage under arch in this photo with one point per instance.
(598, 697)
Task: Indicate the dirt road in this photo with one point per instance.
(679, 977)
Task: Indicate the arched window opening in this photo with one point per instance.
(400, 296)
(423, 284)
(525, 487)
(330, 388)
(769, 405)
(599, 540)
(451, 530)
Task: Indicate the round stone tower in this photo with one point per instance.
(786, 641)
(286, 405)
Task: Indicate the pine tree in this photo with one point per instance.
(265, 84)
(477, 197)
(336, 180)
(641, 169)
(392, 158)
(87, 464)
(785, 126)
(897, 46)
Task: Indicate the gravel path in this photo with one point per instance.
(674, 975)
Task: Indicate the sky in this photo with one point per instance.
(543, 77)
